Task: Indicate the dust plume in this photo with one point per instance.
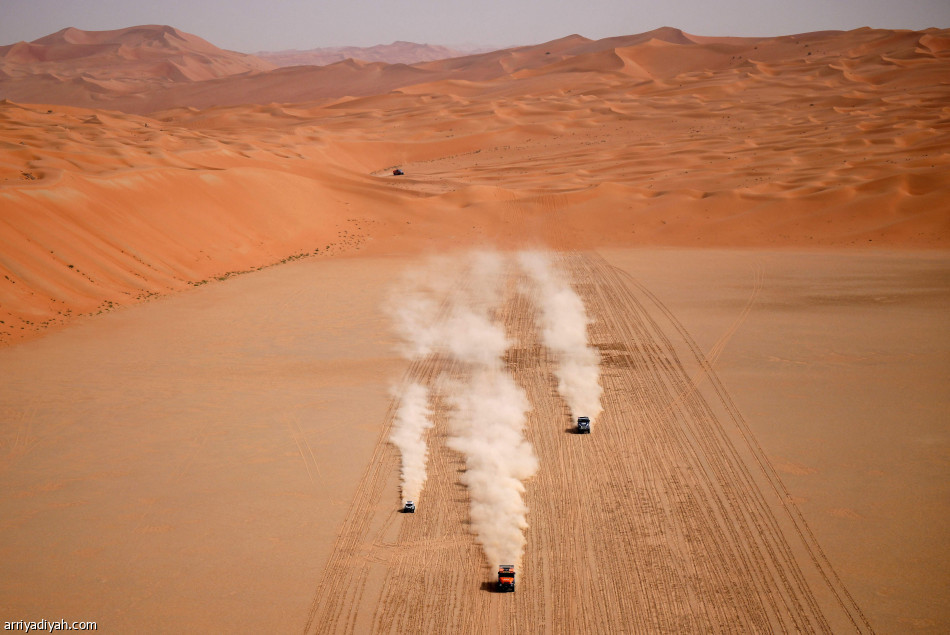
(487, 427)
(416, 309)
(489, 410)
(563, 321)
(448, 309)
(413, 418)
(432, 304)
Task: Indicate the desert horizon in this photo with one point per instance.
(250, 303)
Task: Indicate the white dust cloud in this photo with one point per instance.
(487, 427)
(413, 418)
(449, 309)
(563, 320)
(488, 416)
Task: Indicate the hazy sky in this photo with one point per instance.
(258, 25)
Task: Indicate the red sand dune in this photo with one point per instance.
(145, 50)
(663, 138)
(95, 67)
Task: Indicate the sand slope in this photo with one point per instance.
(824, 139)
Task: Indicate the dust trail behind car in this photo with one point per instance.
(563, 320)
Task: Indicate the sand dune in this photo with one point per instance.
(124, 52)
(825, 139)
(113, 69)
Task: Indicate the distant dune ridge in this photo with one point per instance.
(85, 67)
(150, 160)
(118, 68)
(398, 52)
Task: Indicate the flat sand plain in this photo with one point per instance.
(194, 461)
(840, 364)
(186, 463)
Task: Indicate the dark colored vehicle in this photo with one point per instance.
(506, 578)
(398, 172)
(410, 508)
(583, 425)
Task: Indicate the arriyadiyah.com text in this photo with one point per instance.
(24, 626)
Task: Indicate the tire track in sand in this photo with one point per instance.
(831, 583)
(667, 518)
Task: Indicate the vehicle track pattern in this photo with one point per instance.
(667, 518)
